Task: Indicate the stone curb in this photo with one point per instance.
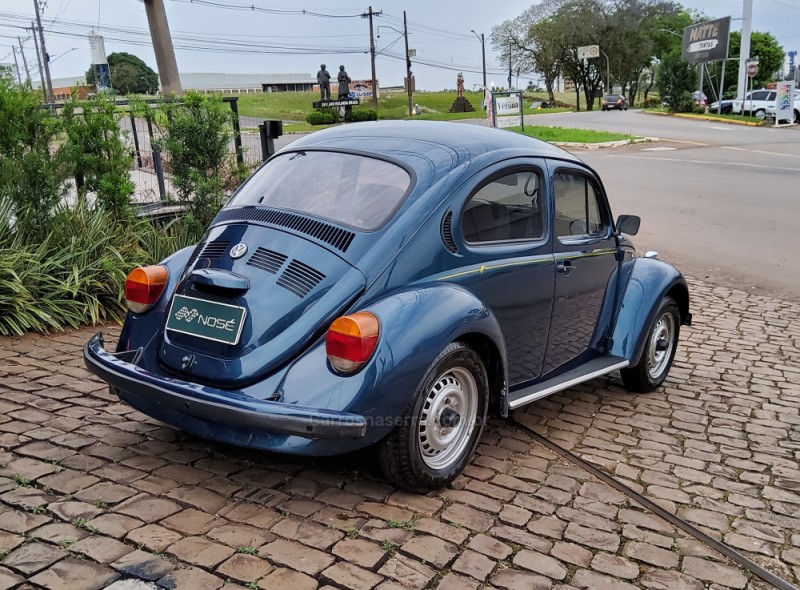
(604, 144)
(705, 118)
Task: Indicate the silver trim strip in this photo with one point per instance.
(566, 385)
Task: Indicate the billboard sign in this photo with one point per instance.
(588, 51)
(706, 41)
(102, 73)
(784, 107)
(506, 110)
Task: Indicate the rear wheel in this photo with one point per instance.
(760, 114)
(659, 350)
(441, 427)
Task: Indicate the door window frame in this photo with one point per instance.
(602, 208)
(544, 203)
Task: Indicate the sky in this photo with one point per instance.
(275, 39)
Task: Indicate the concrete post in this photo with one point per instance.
(162, 45)
(744, 53)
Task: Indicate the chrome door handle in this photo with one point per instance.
(564, 267)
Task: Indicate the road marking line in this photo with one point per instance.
(683, 141)
(722, 128)
(737, 164)
(659, 149)
(738, 149)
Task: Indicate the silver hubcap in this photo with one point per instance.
(448, 418)
(662, 341)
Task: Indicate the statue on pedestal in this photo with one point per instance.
(324, 81)
(460, 85)
(344, 83)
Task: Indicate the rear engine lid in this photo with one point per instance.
(250, 299)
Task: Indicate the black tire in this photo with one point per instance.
(653, 366)
(727, 110)
(760, 114)
(406, 461)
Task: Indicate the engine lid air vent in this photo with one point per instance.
(299, 278)
(337, 237)
(447, 232)
(267, 260)
(215, 249)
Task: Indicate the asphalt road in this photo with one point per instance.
(719, 201)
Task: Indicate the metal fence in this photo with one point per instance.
(150, 168)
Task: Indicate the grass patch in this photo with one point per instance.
(563, 134)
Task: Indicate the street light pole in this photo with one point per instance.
(608, 72)
(483, 55)
(408, 64)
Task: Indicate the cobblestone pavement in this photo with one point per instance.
(93, 494)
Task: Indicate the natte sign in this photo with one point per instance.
(707, 41)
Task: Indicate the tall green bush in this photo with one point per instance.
(196, 136)
(32, 165)
(97, 155)
(675, 79)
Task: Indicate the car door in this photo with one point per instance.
(508, 260)
(584, 247)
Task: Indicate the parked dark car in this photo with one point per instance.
(614, 101)
(391, 284)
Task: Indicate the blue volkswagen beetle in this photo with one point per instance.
(390, 284)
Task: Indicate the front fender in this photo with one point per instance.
(416, 325)
(649, 282)
(149, 322)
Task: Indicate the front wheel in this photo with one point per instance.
(441, 427)
(760, 114)
(659, 350)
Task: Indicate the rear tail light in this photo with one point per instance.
(144, 286)
(351, 340)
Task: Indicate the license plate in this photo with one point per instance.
(210, 320)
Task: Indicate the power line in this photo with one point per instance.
(254, 8)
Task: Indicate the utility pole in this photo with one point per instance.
(408, 64)
(162, 46)
(24, 61)
(744, 54)
(48, 97)
(16, 64)
(369, 15)
(483, 55)
(39, 59)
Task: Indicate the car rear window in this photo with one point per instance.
(612, 97)
(350, 189)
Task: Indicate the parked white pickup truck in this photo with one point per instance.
(754, 104)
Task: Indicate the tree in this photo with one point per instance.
(764, 47)
(129, 74)
(527, 43)
(675, 79)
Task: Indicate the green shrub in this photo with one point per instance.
(675, 78)
(96, 154)
(357, 115)
(32, 167)
(75, 276)
(320, 118)
(651, 102)
(196, 136)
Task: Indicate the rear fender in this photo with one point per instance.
(649, 282)
(139, 328)
(416, 325)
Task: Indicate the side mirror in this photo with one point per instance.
(628, 224)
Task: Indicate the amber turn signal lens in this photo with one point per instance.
(144, 286)
(351, 340)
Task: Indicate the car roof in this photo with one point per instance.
(430, 148)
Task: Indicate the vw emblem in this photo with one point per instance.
(238, 250)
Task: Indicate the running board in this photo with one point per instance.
(594, 368)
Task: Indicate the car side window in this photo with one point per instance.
(578, 213)
(772, 96)
(759, 95)
(507, 208)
